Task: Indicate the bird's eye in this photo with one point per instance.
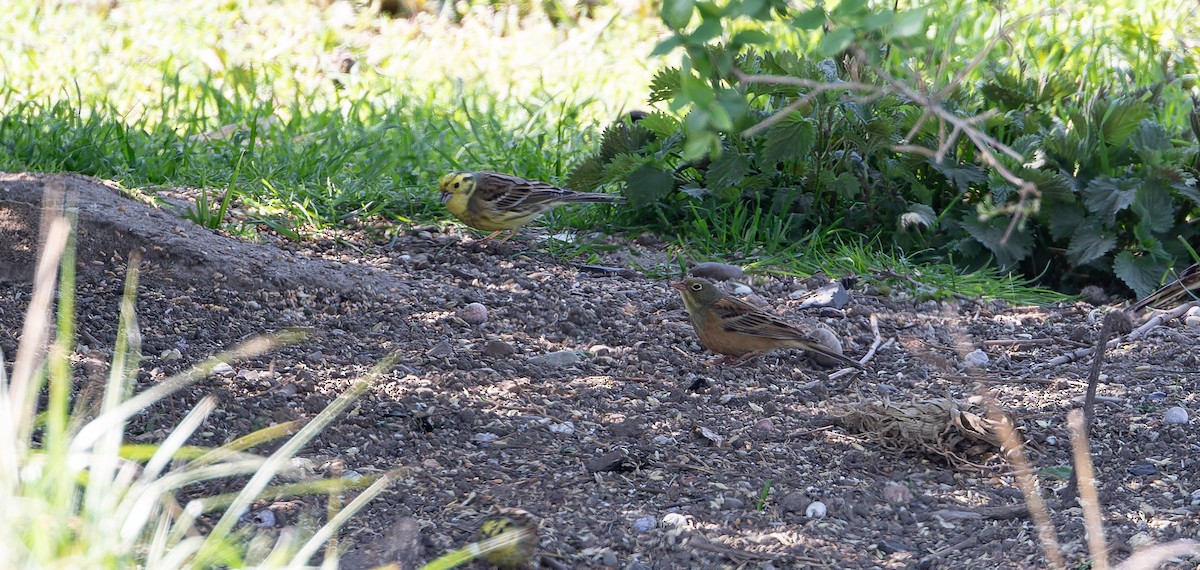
(697, 286)
(457, 184)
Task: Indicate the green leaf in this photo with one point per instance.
(850, 7)
(697, 90)
(751, 37)
(1153, 205)
(990, 232)
(919, 217)
(648, 185)
(1089, 243)
(660, 124)
(664, 85)
(1105, 196)
(666, 46)
(876, 21)
(811, 19)
(835, 42)
(1140, 273)
(961, 175)
(1121, 118)
(1063, 221)
(709, 28)
(791, 137)
(726, 170)
(908, 23)
(1188, 191)
(677, 13)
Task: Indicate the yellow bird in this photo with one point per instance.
(497, 202)
(734, 328)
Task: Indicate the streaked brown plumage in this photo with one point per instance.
(496, 202)
(731, 327)
(1184, 288)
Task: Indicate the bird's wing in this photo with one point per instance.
(514, 194)
(741, 317)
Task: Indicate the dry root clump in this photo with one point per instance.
(963, 433)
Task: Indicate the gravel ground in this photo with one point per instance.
(583, 397)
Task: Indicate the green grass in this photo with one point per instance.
(245, 100)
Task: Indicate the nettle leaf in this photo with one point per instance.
(919, 217)
(1153, 205)
(727, 170)
(1188, 190)
(990, 232)
(648, 185)
(1105, 196)
(961, 175)
(661, 124)
(586, 175)
(1063, 220)
(1140, 273)
(1151, 138)
(1089, 243)
(1121, 118)
(847, 186)
(664, 85)
(792, 137)
(622, 138)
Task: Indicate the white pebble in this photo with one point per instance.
(565, 428)
(675, 519)
(816, 510)
(742, 290)
(223, 369)
(1176, 415)
(1051, 440)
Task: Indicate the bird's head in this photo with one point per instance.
(455, 183)
(698, 292)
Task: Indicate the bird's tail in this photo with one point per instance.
(595, 197)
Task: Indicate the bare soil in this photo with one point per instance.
(632, 450)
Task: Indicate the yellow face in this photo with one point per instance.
(456, 184)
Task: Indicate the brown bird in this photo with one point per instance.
(1184, 288)
(734, 328)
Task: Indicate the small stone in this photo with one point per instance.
(1155, 396)
(1094, 295)
(223, 369)
(675, 519)
(1051, 440)
(975, 359)
(816, 510)
(1176, 415)
(610, 559)
(832, 295)
(765, 424)
(717, 271)
(1139, 540)
(1142, 469)
(793, 502)
(169, 355)
(565, 428)
(733, 504)
(615, 460)
(556, 359)
(644, 524)
(441, 349)
(485, 438)
(742, 290)
(888, 546)
(1192, 321)
(264, 518)
(474, 313)
(498, 349)
(826, 338)
(897, 493)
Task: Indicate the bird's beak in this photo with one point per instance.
(446, 197)
(678, 286)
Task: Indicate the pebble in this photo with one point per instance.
(675, 519)
(474, 313)
(498, 349)
(1176, 415)
(610, 559)
(733, 504)
(976, 358)
(1154, 396)
(223, 369)
(1051, 440)
(556, 359)
(1143, 469)
(173, 354)
(742, 290)
(816, 510)
(441, 349)
(264, 519)
(897, 493)
(644, 524)
(565, 428)
(718, 271)
(832, 295)
(826, 338)
(794, 501)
